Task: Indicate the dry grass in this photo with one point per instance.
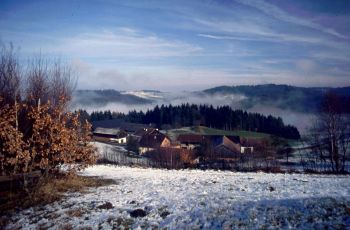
(75, 213)
(48, 190)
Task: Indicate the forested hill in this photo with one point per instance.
(301, 99)
(262, 97)
(223, 117)
(103, 97)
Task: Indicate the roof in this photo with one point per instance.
(234, 139)
(120, 124)
(220, 139)
(143, 131)
(100, 130)
(152, 139)
(104, 132)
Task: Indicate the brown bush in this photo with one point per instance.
(48, 140)
(37, 132)
(14, 154)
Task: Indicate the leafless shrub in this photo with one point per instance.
(49, 81)
(62, 84)
(37, 81)
(10, 78)
(329, 141)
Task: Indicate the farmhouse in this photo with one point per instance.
(110, 135)
(226, 146)
(152, 139)
(191, 141)
(248, 144)
(223, 146)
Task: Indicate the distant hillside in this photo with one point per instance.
(118, 123)
(300, 99)
(296, 105)
(173, 133)
(103, 97)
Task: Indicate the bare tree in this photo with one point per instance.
(62, 83)
(38, 81)
(49, 81)
(10, 77)
(330, 139)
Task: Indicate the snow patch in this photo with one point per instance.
(192, 199)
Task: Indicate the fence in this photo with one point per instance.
(119, 155)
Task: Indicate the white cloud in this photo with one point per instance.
(279, 14)
(172, 78)
(220, 37)
(254, 27)
(80, 66)
(266, 36)
(306, 65)
(123, 42)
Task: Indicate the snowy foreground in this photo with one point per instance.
(194, 199)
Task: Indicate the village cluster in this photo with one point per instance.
(186, 145)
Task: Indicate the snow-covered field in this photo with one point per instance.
(194, 199)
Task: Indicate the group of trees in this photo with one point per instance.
(328, 145)
(36, 130)
(222, 117)
(104, 115)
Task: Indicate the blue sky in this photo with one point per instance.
(186, 45)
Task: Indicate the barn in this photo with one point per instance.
(152, 139)
(110, 135)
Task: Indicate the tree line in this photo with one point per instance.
(221, 117)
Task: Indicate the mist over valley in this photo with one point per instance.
(295, 105)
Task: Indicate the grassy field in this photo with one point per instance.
(203, 130)
(173, 133)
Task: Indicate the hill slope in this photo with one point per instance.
(203, 130)
(103, 97)
(298, 99)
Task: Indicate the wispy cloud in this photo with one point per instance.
(270, 36)
(219, 37)
(256, 32)
(123, 42)
(280, 14)
(184, 44)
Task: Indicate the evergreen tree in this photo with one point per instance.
(222, 117)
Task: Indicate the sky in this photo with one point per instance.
(186, 45)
